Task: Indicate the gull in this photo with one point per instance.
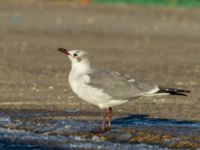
(107, 89)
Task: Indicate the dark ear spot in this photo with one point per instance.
(78, 59)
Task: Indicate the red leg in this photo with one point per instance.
(103, 127)
(104, 119)
(110, 118)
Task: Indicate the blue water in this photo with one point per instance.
(12, 139)
(49, 134)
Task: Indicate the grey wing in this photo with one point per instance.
(120, 86)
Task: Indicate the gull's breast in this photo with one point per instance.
(92, 95)
(88, 93)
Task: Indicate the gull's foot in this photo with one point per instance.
(99, 131)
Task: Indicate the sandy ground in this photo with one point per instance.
(156, 44)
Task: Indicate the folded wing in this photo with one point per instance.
(120, 86)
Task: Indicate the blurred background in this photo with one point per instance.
(156, 40)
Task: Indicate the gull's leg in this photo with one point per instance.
(110, 118)
(104, 119)
(103, 127)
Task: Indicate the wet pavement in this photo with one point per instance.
(49, 130)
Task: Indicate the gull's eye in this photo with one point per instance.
(75, 55)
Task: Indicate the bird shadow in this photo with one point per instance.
(145, 120)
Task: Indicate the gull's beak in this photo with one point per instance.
(63, 50)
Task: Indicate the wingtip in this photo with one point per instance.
(189, 91)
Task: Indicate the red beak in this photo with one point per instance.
(63, 50)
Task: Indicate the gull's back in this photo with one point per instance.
(119, 86)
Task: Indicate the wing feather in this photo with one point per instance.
(119, 86)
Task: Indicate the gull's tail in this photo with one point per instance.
(172, 91)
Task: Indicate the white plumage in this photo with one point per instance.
(106, 89)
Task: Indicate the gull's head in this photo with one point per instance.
(77, 57)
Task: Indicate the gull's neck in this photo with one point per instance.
(81, 68)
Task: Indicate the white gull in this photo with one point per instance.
(106, 89)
